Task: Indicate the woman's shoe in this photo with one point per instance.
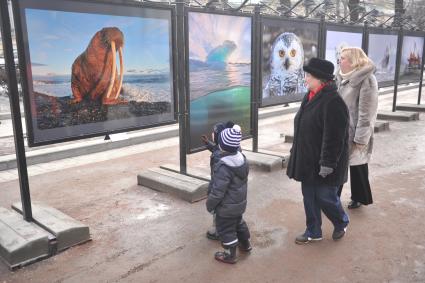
(354, 204)
(338, 234)
(304, 239)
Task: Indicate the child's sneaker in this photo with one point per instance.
(245, 246)
(212, 232)
(212, 235)
(227, 256)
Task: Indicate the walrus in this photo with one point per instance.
(94, 72)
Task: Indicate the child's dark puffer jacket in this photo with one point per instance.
(228, 196)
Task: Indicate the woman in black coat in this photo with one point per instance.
(319, 154)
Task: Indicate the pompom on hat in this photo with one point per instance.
(230, 139)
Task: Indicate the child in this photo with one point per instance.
(214, 158)
(227, 198)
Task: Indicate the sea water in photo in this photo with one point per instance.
(150, 88)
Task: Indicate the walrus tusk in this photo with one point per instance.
(121, 72)
(111, 83)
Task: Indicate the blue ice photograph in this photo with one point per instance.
(219, 73)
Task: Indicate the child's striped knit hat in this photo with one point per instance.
(230, 139)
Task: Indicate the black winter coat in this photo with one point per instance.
(229, 186)
(320, 138)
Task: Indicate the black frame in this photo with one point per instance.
(341, 28)
(289, 22)
(190, 150)
(412, 34)
(382, 31)
(24, 56)
(12, 82)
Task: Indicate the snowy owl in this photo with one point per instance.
(286, 66)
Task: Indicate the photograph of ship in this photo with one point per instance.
(411, 59)
(286, 47)
(336, 40)
(383, 52)
(93, 73)
(219, 73)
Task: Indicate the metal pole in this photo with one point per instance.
(181, 83)
(257, 89)
(322, 41)
(397, 67)
(16, 111)
(365, 43)
(422, 74)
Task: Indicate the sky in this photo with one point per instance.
(57, 38)
(207, 31)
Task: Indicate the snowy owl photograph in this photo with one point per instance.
(286, 62)
(285, 49)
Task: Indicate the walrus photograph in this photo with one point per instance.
(96, 72)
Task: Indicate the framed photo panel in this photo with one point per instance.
(382, 50)
(338, 37)
(411, 58)
(219, 73)
(286, 46)
(91, 68)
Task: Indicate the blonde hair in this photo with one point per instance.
(356, 56)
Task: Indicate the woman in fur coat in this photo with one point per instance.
(358, 88)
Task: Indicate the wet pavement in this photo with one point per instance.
(140, 235)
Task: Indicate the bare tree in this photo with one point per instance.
(345, 4)
(398, 13)
(338, 9)
(284, 5)
(354, 6)
(416, 11)
(308, 6)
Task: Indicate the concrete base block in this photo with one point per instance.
(284, 156)
(190, 171)
(289, 138)
(185, 187)
(68, 231)
(398, 116)
(21, 242)
(410, 107)
(263, 161)
(382, 126)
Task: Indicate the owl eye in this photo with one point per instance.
(293, 52)
(281, 53)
